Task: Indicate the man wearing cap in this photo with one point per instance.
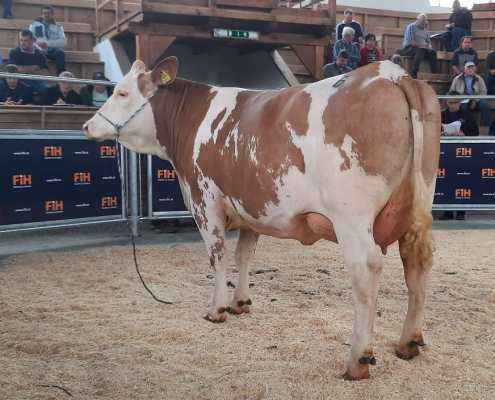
(471, 84)
(96, 95)
(50, 37)
(349, 22)
(417, 44)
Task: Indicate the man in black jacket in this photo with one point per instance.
(459, 26)
(13, 92)
(97, 95)
(61, 94)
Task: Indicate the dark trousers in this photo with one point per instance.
(490, 81)
(58, 56)
(7, 8)
(418, 55)
(452, 39)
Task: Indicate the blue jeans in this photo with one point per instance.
(452, 39)
(490, 81)
(58, 56)
(484, 108)
(37, 86)
(7, 8)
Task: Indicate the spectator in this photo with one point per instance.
(490, 72)
(464, 54)
(339, 67)
(61, 94)
(459, 26)
(461, 123)
(346, 44)
(369, 52)
(30, 60)
(13, 92)
(397, 59)
(472, 84)
(417, 44)
(50, 37)
(97, 95)
(7, 9)
(348, 22)
(318, 7)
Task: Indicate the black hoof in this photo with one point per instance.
(403, 357)
(249, 302)
(367, 360)
(240, 303)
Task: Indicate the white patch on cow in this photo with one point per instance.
(233, 136)
(225, 99)
(253, 147)
(386, 70)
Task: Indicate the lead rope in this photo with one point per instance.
(118, 128)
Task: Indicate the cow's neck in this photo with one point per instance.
(179, 109)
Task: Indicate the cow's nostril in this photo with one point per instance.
(85, 127)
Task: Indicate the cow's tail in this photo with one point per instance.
(418, 240)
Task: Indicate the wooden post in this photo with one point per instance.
(150, 47)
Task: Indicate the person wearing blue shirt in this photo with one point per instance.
(417, 44)
(349, 22)
(346, 44)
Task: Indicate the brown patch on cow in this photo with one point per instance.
(298, 121)
(382, 137)
(217, 120)
(346, 163)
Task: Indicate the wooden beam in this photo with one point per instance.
(247, 3)
(233, 14)
(198, 33)
(283, 67)
(307, 55)
(150, 47)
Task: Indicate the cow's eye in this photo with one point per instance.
(122, 94)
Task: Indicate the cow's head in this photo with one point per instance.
(129, 96)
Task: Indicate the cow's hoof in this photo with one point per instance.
(240, 306)
(363, 373)
(409, 351)
(216, 317)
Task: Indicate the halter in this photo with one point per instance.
(118, 127)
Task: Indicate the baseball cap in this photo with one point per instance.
(469, 64)
(99, 76)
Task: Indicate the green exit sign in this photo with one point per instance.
(235, 34)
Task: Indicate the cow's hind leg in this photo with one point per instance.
(214, 238)
(244, 252)
(416, 275)
(365, 264)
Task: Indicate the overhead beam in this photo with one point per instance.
(184, 31)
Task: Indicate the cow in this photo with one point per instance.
(350, 159)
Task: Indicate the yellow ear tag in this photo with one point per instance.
(165, 77)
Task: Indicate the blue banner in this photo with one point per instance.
(166, 193)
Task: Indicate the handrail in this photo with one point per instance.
(46, 78)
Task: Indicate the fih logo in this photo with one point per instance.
(108, 151)
(166, 174)
(53, 152)
(82, 178)
(109, 202)
(54, 206)
(488, 173)
(441, 173)
(22, 180)
(463, 193)
(463, 151)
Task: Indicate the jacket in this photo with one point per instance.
(459, 84)
(365, 53)
(351, 48)
(86, 94)
(21, 91)
(462, 18)
(53, 34)
(358, 31)
(53, 93)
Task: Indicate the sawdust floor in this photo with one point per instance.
(81, 320)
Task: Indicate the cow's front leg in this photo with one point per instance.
(214, 238)
(244, 252)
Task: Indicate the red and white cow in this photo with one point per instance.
(351, 159)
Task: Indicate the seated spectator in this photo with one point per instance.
(30, 60)
(464, 54)
(417, 44)
(61, 94)
(459, 26)
(339, 67)
(369, 52)
(490, 72)
(346, 44)
(50, 37)
(97, 95)
(472, 84)
(13, 92)
(348, 22)
(318, 7)
(460, 122)
(397, 59)
(7, 9)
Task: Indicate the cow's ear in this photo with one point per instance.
(165, 71)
